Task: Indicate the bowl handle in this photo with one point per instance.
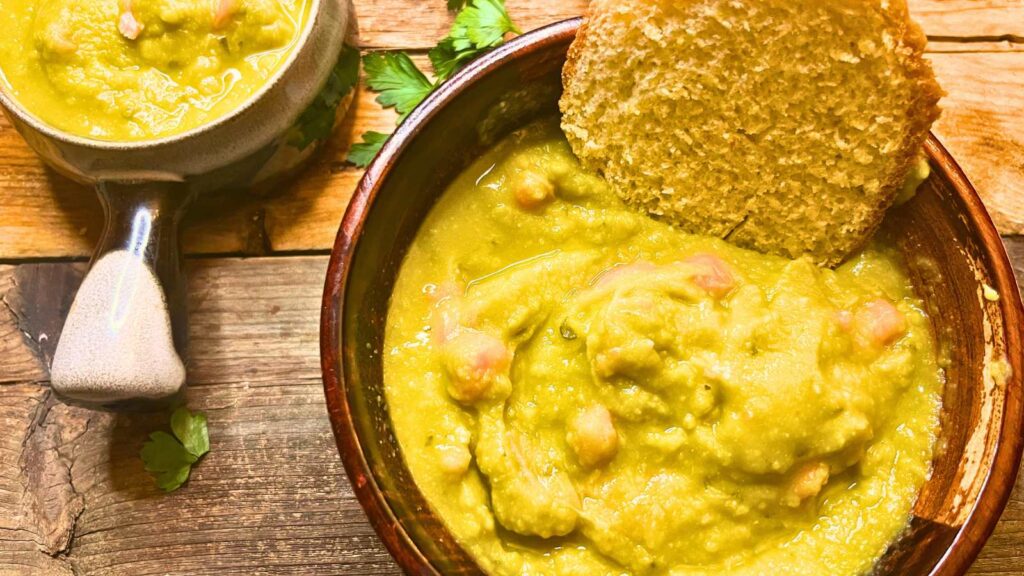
(124, 339)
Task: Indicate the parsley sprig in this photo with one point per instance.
(170, 458)
(479, 26)
(396, 79)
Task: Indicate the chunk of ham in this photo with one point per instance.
(477, 364)
(714, 276)
(226, 10)
(127, 24)
(806, 483)
(879, 323)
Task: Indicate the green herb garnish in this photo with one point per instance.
(480, 26)
(317, 120)
(397, 80)
(362, 154)
(170, 458)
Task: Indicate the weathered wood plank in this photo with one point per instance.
(1005, 547)
(406, 24)
(1015, 249)
(983, 127)
(969, 18)
(271, 497)
(18, 359)
(37, 504)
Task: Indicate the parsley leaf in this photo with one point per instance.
(484, 23)
(447, 59)
(363, 153)
(479, 27)
(167, 460)
(170, 458)
(191, 430)
(317, 120)
(400, 83)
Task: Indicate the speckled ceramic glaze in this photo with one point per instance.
(125, 338)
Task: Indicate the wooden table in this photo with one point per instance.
(271, 497)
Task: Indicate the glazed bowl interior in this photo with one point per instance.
(948, 241)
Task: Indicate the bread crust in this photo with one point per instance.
(921, 112)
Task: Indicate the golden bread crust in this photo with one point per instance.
(750, 120)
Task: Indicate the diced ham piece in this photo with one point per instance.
(880, 323)
(534, 191)
(807, 482)
(715, 276)
(477, 363)
(127, 24)
(592, 436)
(226, 10)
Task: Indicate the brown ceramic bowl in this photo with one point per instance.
(950, 244)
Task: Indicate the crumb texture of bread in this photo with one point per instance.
(787, 126)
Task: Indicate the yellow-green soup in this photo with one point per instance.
(581, 390)
(141, 69)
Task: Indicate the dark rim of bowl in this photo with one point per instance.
(1002, 475)
(994, 494)
(11, 103)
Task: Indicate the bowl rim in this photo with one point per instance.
(995, 491)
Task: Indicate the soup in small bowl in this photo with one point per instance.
(154, 102)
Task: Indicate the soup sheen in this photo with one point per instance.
(141, 69)
(581, 390)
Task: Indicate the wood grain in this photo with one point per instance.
(406, 24)
(980, 62)
(984, 128)
(271, 496)
(20, 360)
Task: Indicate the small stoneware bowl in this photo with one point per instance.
(124, 341)
(949, 243)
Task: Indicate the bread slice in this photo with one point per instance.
(787, 126)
